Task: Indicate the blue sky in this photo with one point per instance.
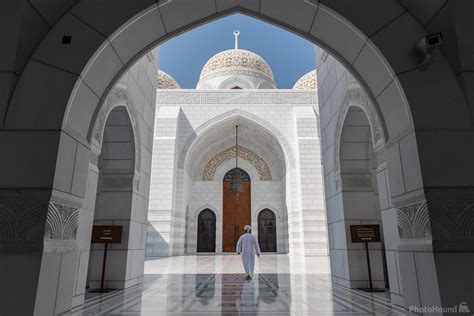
(289, 55)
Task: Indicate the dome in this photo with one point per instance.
(307, 82)
(165, 81)
(237, 61)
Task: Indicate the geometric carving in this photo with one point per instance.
(244, 153)
(307, 82)
(22, 220)
(165, 81)
(292, 97)
(236, 59)
(414, 221)
(61, 222)
(451, 213)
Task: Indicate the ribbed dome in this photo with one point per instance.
(237, 61)
(165, 81)
(307, 82)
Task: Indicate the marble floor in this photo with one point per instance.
(215, 285)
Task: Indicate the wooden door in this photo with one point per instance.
(206, 240)
(236, 212)
(267, 231)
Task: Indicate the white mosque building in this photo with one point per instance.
(236, 119)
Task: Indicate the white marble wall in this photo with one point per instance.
(135, 91)
(178, 196)
(348, 204)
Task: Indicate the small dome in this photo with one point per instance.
(237, 60)
(165, 81)
(307, 82)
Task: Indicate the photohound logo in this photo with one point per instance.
(461, 308)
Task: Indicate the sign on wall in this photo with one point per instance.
(106, 234)
(365, 233)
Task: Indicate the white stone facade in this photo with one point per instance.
(279, 128)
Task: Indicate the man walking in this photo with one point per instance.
(248, 246)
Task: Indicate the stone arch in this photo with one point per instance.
(118, 96)
(77, 82)
(275, 210)
(198, 210)
(115, 196)
(290, 160)
(356, 97)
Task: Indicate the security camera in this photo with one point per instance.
(425, 48)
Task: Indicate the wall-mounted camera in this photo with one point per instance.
(425, 48)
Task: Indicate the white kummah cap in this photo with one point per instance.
(247, 227)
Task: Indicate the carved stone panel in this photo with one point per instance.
(61, 222)
(414, 221)
(244, 153)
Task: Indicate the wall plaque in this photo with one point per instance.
(106, 234)
(365, 233)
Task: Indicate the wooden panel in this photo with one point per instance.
(236, 214)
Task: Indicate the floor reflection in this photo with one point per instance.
(215, 285)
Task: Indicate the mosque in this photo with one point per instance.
(110, 184)
(236, 129)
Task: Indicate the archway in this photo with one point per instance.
(236, 212)
(385, 70)
(267, 231)
(209, 153)
(206, 239)
(360, 196)
(114, 201)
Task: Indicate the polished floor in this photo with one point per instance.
(215, 285)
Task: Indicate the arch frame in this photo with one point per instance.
(356, 97)
(290, 160)
(117, 97)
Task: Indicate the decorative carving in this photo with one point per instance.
(307, 82)
(451, 213)
(61, 222)
(22, 220)
(198, 97)
(236, 59)
(165, 81)
(244, 153)
(414, 221)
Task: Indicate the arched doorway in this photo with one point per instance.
(206, 233)
(236, 211)
(360, 174)
(114, 201)
(267, 231)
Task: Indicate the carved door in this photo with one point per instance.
(267, 231)
(206, 239)
(236, 212)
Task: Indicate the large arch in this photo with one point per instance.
(39, 113)
(263, 155)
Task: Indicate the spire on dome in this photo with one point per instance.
(236, 35)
